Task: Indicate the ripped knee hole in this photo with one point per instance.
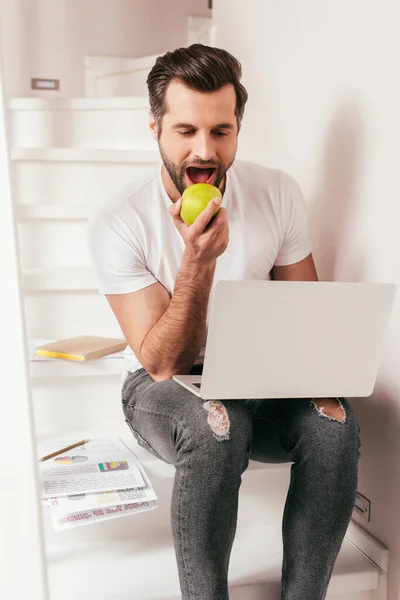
(217, 419)
(330, 408)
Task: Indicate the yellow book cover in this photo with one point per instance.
(81, 348)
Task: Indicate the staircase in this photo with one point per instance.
(69, 157)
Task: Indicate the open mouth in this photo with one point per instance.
(200, 175)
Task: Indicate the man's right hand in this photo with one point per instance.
(204, 240)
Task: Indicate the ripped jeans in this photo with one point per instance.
(210, 443)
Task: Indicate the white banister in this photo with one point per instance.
(22, 556)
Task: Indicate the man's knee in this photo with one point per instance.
(336, 428)
(218, 419)
(209, 422)
(228, 420)
(330, 408)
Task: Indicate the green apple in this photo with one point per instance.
(195, 199)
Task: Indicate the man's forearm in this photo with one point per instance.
(173, 344)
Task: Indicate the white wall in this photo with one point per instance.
(323, 80)
(49, 38)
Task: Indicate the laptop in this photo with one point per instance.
(293, 339)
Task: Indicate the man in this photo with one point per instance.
(158, 275)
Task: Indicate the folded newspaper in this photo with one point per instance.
(99, 480)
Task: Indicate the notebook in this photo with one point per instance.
(80, 348)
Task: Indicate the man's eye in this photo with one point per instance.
(216, 133)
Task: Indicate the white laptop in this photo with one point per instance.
(293, 339)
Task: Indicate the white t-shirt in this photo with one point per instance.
(133, 241)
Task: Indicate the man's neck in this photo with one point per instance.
(171, 189)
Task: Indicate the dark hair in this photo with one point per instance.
(202, 68)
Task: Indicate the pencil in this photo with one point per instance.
(63, 450)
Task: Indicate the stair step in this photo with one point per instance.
(61, 314)
(138, 154)
(126, 569)
(56, 369)
(59, 278)
(77, 177)
(80, 122)
(78, 103)
(54, 212)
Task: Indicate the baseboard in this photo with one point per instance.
(375, 551)
(368, 545)
(382, 592)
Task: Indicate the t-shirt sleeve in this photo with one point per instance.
(292, 210)
(116, 256)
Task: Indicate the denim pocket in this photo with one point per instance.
(142, 442)
(129, 385)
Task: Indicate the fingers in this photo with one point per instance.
(174, 211)
(202, 221)
(205, 216)
(175, 207)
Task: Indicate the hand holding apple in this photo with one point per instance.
(195, 199)
(208, 235)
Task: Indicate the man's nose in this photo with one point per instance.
(204, 147)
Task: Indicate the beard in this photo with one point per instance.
(177, 172)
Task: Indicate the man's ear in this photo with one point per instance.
(153, 126)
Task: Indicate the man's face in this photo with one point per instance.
(198, 141)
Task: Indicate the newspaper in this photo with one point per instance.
(80, 502)
(92, 516)
(99, 480)
(99, 466)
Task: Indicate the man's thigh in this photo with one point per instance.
(278, 422)
(153, 410)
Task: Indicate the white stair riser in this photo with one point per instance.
(61, 370)
(73, 182)
(56, 315)
(50, 243)
(84, 403)
(119, 128)
(156, 524)
(123, 84)
(59, 278)
(267, 511)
